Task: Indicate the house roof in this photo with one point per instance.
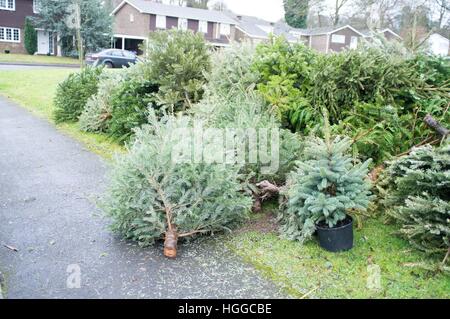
(259, 28)
(323, 30)
(370, 33)
(150, 7)
(440, 35)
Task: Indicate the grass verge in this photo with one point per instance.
(310, 271)
(35, 89)
(39, 59)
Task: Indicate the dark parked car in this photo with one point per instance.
(112, 58)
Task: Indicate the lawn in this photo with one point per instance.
(35, 89)
(43, 59)
(311, 271)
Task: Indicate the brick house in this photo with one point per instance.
(326, 40)
(12, 20)
(254, 30)
(329, 39)
(387, 33)
(135, 19)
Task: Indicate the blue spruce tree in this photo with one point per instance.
(325, 186)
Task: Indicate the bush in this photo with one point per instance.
(73, 94)
(30, 37)
(418, 197)
(324, 188)
(98, 110)
(147, 184)
(179, 61)
(131, 102)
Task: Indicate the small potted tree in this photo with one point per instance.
(324, 188)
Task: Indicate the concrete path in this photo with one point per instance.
(48, 184)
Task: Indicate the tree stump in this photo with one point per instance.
(170, 244)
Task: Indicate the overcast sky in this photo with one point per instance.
(271, 10)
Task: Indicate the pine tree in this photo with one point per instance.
(418, 197)
(296, 12)
(324, 188)
(30, 34)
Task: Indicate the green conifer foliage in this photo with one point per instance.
(325, 186)
(418, 197)
(30, 37)
(148, 189)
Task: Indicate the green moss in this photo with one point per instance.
(309, 268)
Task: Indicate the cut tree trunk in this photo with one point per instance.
(435, 125)
(268, 190)
(170, 244)
(257, 204)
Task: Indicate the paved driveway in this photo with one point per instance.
(48, 186)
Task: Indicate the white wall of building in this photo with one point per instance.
(438, 44)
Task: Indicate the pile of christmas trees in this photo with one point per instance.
(418, 198)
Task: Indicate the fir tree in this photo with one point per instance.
(30, 34)
(152, 197)
(418, 197)
(296, 12)
(179, 61)
(324, 188)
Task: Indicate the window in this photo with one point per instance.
(203, 26)
(353, 42)
(16, 35)
(129, 55)
(216, 32)
(9, 34)
(131, 17)
(116, 53)
(225, 29)
(35, 6)
(51, 43)
(182, 24)
(8, 5)
(337, 38)
(160, 22)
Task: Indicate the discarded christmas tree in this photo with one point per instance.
(324, 188)
(418, 198)
(153, 196)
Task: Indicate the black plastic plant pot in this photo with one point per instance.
(336, 239)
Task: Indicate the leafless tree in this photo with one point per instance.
(337, 9)
(444, 8)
